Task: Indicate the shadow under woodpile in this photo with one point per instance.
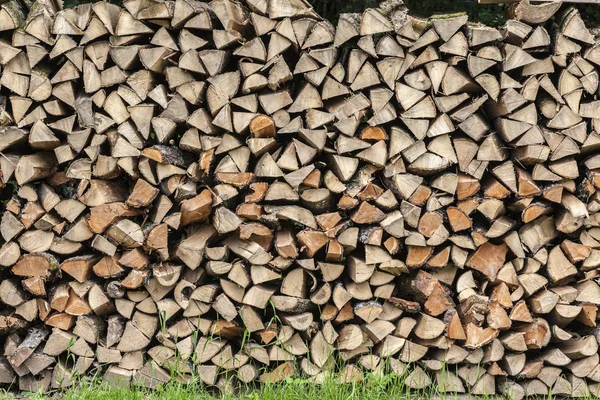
(242, 192)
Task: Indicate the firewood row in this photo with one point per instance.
(241, 191)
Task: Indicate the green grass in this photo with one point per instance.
(373, 387)
(388, 387)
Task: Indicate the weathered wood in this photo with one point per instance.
(184, 176)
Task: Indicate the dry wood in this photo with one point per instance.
(394, 189)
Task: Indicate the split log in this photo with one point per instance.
(427, 192)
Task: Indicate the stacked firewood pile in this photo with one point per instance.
(241, 191)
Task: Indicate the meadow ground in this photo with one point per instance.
(389, 387)
(373, 388)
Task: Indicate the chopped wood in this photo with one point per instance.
(239, 190)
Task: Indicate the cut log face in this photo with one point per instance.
(239, 191)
